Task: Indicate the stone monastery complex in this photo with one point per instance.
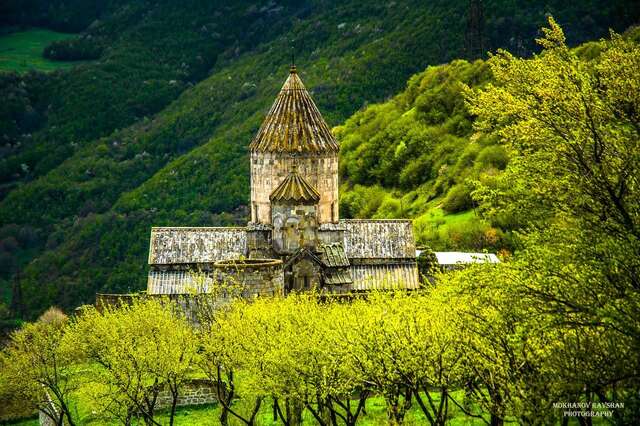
(295, 239)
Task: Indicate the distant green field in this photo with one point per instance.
(22, 51)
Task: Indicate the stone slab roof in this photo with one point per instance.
(384, 276)
(337, 276)
(333, 255)
(379, 239)
(294, 123)
(294, 188)
(196, 245)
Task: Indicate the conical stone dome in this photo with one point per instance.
(294, 123)
(294, 136)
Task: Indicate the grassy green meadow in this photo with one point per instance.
(22, 51)
(209, 415)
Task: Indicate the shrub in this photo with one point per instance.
(458, 199)
(361, 201)
(427, 262)
(76, 49)
(390, 208)
(53, 315)
(493, 156)
(416, 172)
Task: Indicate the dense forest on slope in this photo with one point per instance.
(418, 155)
(153, 129)
(414, 156)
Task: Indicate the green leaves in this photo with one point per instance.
(571, 125)
(139, 350)
(38, 366)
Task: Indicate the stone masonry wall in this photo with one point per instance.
(197, 392)
(269, 169)
(256, 279)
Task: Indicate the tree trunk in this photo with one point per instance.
(275, 409)
(294, 412)
(285, 419)
(224, 416)
(395, 409)
(174, 404)
(496, 420)
(254, 413)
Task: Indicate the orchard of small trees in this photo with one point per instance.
(481, 346)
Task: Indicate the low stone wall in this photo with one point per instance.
(191, 305)
(196, 392)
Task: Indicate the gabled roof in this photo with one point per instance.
(378, 239)
(294, 123)
(294, 188)
(333, 255)
(301, 253)
(178, 245)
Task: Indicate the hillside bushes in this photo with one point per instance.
(420, 144)
(458, 199)
(77, 49)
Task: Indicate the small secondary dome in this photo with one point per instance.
(294, 123)
(295, 189)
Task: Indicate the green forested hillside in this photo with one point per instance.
(414, 156)
(417, 155)
(153, 130)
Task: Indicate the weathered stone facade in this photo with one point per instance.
(294, 240)
(294, 227)
(269, 169)
(254, 277)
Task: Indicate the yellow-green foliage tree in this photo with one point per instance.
(573, 127)
(328, 357)
(220, 360)
(285, 349)
(37, 367)
(500, 343)
(140, 350)
(401, 346)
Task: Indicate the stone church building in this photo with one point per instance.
(295, 239)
